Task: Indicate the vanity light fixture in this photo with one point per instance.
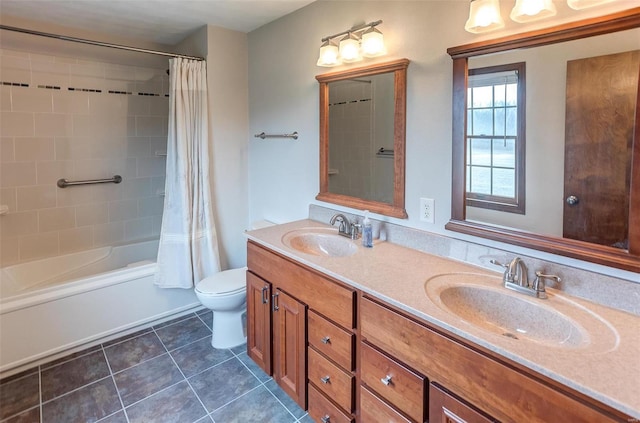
(585, 4)
(350, 48)
(532, 10)
(355, 43)
(484, 16)
(329, 54)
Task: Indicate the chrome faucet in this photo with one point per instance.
(517, 273)
(516, 277)
(346, 228)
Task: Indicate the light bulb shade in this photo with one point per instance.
(532, 10)
(584, 4)
(329, 55)
(484, 15)
(350, 49)
(373, 43)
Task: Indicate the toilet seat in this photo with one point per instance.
(228, 282)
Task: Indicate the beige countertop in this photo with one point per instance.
(608, 369)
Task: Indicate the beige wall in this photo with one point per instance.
(226, 53)
(67, 117)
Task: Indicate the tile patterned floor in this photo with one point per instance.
(167, 373)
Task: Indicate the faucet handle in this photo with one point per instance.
(497, 263)
(539, 284)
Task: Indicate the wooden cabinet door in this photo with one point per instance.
(289, 346)
(445, 408)
(259, 321)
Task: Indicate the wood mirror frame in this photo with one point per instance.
(608, 256)
(397, 207)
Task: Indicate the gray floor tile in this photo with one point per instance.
(118, 417)
(199, 356)
(239, 349)
(183, 332)
(88, 404)
(138, 382)
(19, 394)
(285, 399)
(205, 419)
(134, 351)
(71, 356)
(73, 374)
(173, 321)
(30, 416)
(221, 384)
(306, 419)
(255, 369)
(177, 404)
(126, 337)
(257, 406)
(207, 317)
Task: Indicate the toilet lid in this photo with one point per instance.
(224, 282)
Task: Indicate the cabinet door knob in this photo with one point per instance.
(386, 380)
(265, 295)
(274, 301)
(325, 379)
(325, 419)
(326, 340)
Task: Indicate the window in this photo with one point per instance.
(495, 138)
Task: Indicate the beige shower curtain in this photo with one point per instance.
(188, 250)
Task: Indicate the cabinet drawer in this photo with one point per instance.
(310, 287)
(322, 410)
(402, 387)
(332, 341)
(331, 380)
(373, 409)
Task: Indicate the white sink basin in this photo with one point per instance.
(320, 242)
(481, 302)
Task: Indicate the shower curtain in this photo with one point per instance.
(188, 250)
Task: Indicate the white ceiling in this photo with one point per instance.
(159, 21)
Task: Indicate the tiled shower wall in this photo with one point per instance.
(68, 118)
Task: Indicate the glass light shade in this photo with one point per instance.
(329, 55)
(350, 49)
(373, 43)
(532, 10)
(484, 15)
(584, 4)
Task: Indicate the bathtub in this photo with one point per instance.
(53, 306)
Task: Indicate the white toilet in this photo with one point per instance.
(225, 294)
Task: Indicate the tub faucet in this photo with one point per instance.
(346, 228)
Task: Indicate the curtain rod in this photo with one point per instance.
(97, 43)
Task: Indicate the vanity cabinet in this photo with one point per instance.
(471, 384)
(444, 407)
(276, 335)
(301, 329)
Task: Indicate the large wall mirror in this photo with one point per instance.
(581, 121)
(362, 137)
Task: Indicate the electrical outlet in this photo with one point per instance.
(427, 210)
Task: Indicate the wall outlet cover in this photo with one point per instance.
(427, 210)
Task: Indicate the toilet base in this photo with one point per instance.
(229, 328)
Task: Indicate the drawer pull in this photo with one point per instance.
(386, 380)
(326, 340)
(325, 379)
(325, 419)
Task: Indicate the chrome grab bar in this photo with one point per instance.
(63, 183)
(262, 135)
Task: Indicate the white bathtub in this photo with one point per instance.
(52, 306)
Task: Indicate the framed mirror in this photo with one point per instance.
(564, 101)
(362, 137)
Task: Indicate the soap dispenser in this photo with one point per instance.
(367, 231)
